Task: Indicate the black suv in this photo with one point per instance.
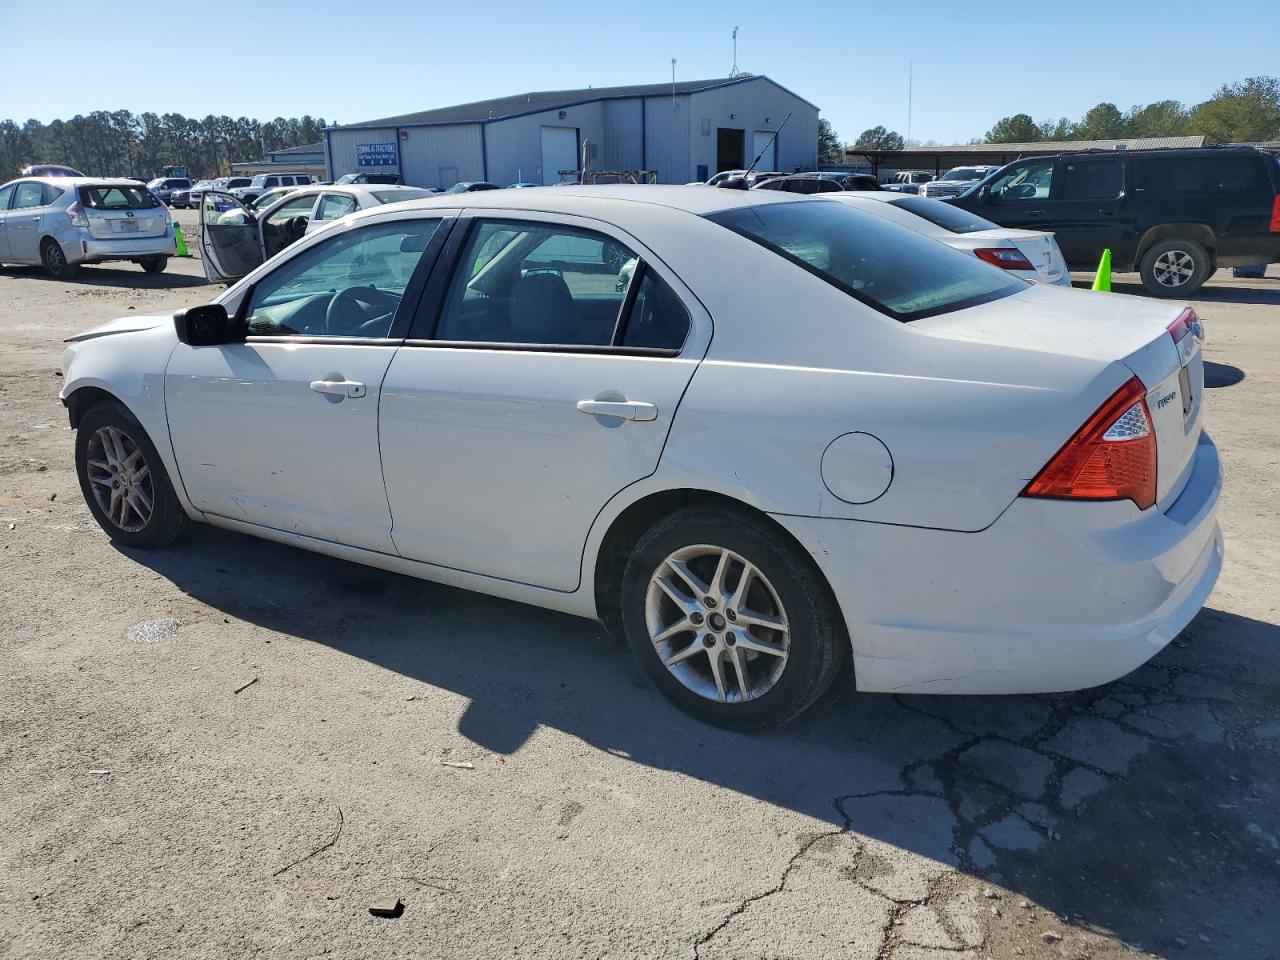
(1173, 215)
(822, 182)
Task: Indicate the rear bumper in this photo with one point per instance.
(1053, 596)
(86, 250)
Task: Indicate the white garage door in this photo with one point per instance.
(559, 152)
(770, 159)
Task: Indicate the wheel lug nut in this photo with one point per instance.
(708, 641)
(731, 614)
(696, 618)
(709, 601)
(730, 639)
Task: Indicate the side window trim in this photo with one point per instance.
(405, 313)
(426, 322)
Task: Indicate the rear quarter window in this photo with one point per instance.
(902, 274)
(1183, 175)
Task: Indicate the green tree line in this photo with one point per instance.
(1243, 112)
(120, 143)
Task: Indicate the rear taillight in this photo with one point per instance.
(1275, 214)
(1112, 457)
(1007, 257)
(77, 216)
(1185, 323)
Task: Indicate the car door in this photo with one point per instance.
(281, 430)
(230, 242)
(1087, 211)
(332, 206)
(22, 225)
(540, 379)
(6, 196)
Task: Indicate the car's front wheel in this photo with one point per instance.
(1175, 268)
(729, 619)
(124, 481)
(55, 261)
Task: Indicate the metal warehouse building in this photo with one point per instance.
(683, 131)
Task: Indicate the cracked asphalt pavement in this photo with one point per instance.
(508, 775)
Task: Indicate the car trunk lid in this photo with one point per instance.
(116, 212)
(1108, 329)
(1036, 245)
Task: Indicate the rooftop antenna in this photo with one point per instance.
(734, 72)
(673, 83)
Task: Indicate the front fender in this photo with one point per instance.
(127, 360)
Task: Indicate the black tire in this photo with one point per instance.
(55, 261)
(154, 264)
(1175, 268)
(167, 522)
(818, 642)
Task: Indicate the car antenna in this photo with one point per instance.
(740, 182)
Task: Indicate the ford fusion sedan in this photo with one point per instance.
(796, 434)
(62, 223)
(1029, 254)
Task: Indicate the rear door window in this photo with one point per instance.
(903, 274)
(333, 206)
(1097, 178)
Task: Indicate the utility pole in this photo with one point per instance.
(673, 83)
(910, 72)
(734, 72)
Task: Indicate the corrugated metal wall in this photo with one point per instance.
(342, 149)
(515, 145)
(667, 135)
(758, 105)
(441, 156)
(623, 136)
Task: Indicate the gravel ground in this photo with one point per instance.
(153, 805)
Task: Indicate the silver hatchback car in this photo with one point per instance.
(63, 222)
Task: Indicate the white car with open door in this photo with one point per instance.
(1029, 254)
(235, 238)
(888, 449)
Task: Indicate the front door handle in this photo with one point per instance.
(339, 388)
(623, 409)
(1037, 213)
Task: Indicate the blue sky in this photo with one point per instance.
(973, 62)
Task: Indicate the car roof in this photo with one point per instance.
(605, 200)
(67, 182)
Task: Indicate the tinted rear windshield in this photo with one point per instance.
(118, 198)
(945, 215)
(890, 268)
(396, 196)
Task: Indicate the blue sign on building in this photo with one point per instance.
(376, 154)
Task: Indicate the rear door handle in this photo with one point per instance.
(1037, 213)
(623, 409)
(339, 388)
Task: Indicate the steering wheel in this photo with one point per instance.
(345, 315)
(295, 229)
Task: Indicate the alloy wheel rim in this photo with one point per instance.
(54, 258)
(120, 479)
(1173, 268)
(717, 624)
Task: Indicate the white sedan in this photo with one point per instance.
(797, 433)
(235, 238)
(1030, 254)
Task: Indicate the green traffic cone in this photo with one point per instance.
(181, 240)
(1103, 279)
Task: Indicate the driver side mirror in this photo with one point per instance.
(204, 326)
(985, 194)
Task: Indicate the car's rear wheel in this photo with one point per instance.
(154, 264)
(1175, 268)
(124, 481)
(731, 621)
(55, 261)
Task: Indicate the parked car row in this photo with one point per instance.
(889, 451)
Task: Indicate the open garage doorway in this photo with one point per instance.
(729, 144)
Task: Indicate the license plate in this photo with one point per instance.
(1184, 388)
(128, 226)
